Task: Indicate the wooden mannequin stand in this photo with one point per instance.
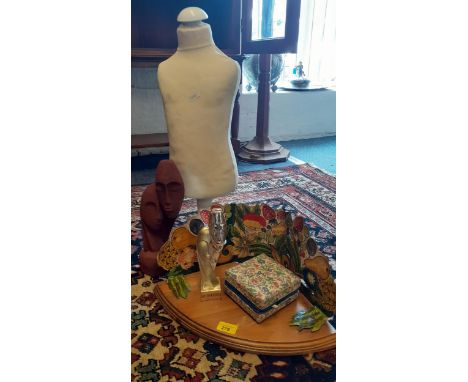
(261, 149)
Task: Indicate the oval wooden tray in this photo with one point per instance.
(273, 336)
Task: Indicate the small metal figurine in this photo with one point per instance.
(299, 70)
(209, 245)
(299, 80)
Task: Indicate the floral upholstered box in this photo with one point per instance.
(261, 286)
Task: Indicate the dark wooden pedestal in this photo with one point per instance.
(261, 149)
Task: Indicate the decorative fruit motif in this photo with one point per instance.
(187, 257)
(254, 221)
(268, 212)
(205, 216)
(181, 238)
(280, 214)
(311, 246)
(298, 223)
(279, 229)
(167, 256)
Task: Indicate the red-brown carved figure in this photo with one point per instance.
(160, 205)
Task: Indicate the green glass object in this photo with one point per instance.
(177, 283)
(312, 319)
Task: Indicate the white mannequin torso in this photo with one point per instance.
(198, 86)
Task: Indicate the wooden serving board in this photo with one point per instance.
(273, 336)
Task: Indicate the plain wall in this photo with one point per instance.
(293, 114)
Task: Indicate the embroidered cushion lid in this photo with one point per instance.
(262, 280)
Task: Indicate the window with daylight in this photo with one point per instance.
(278, 20)
(316, 44)
(316, 41)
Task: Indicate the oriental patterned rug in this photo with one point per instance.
(162, 350)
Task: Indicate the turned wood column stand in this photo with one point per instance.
(261, 149)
